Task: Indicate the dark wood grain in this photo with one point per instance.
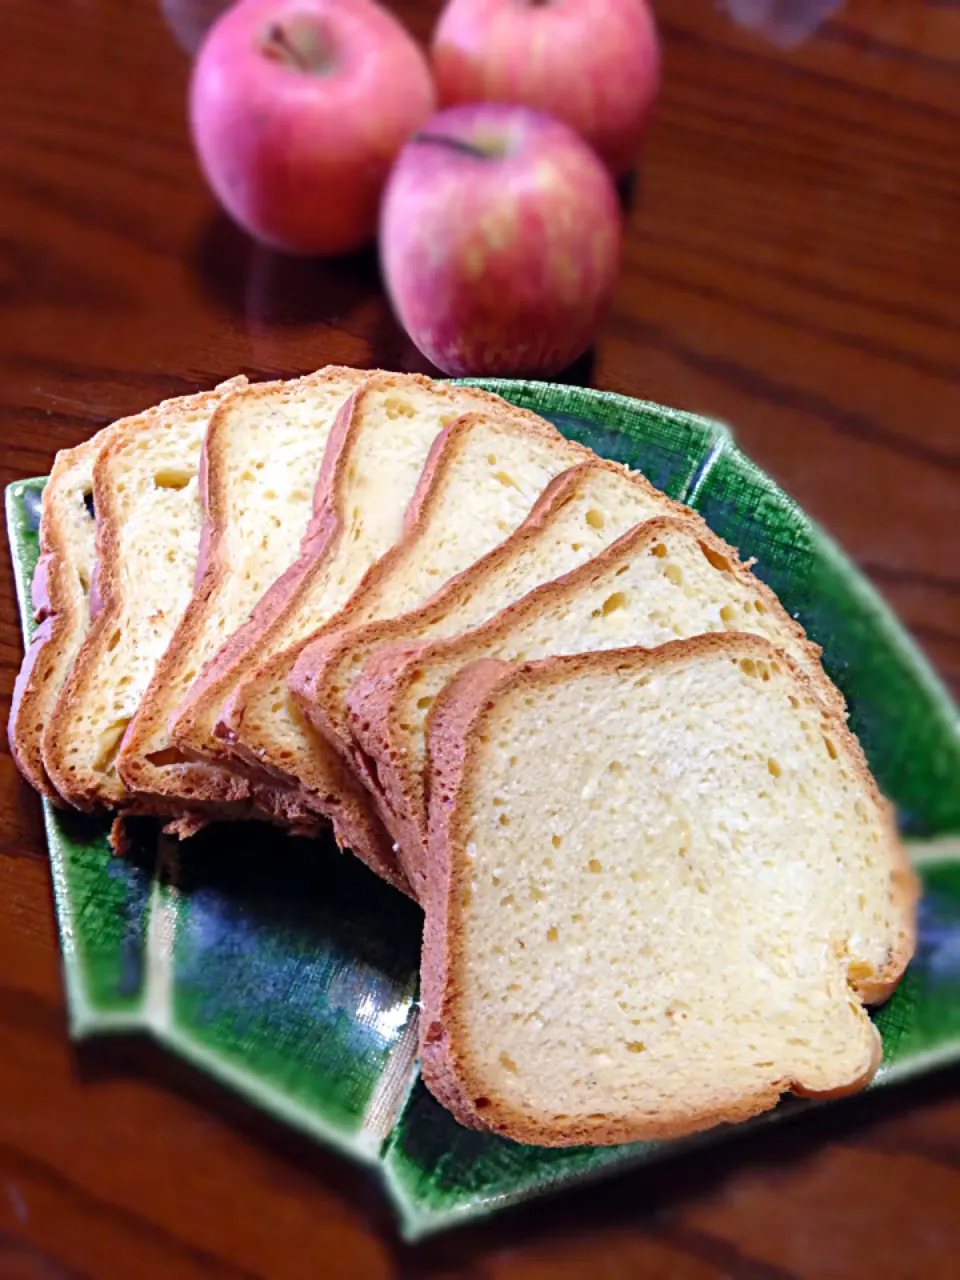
(791, 267)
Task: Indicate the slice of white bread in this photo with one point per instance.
(484, 475)
(689, 840)
(372, 470)
(666, 578)
(60, 594)
(578, 515)
(261, 461)
(148, 516)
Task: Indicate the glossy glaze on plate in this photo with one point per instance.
(287, 971)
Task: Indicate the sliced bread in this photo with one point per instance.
(260, 466)
(578, 515)
(148, 515)
(484, 475)
(666, 578)
(705, 861)
(60, 594)
(372, 470)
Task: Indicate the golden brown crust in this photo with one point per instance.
(61, 626)
(460, 707)
(875, 989)
(381, 691)
(455, 749)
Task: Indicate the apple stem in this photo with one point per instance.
(299, 44)
(452, 144)
(277, 43)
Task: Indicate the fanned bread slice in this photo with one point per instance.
(146, 498)
(371, 471)
(60, 594)
(484, 475)
(705, 861)
(260, 465)
(578, 515)
(666, 578)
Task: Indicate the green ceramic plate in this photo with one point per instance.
(288, 972)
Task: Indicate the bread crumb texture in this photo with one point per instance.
(669, 876)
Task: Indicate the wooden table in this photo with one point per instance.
(792, 267)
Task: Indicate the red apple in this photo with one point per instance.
(593, 63)
(298, 108)
(499, 240)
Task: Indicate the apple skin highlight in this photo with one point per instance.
(500, 240)
(593, 63)
(298, 109)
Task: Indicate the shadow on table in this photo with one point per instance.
(643, 1200)
(282, 289)
(281, 293)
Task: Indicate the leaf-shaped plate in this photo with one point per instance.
(289, 972)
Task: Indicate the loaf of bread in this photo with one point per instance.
(148, 516)
(661, 887)
(527, 688)
(60, 594)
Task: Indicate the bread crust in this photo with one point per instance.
(455, 750)
(225, 787)
(380, 692)
(62, 621)
(88, 789)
